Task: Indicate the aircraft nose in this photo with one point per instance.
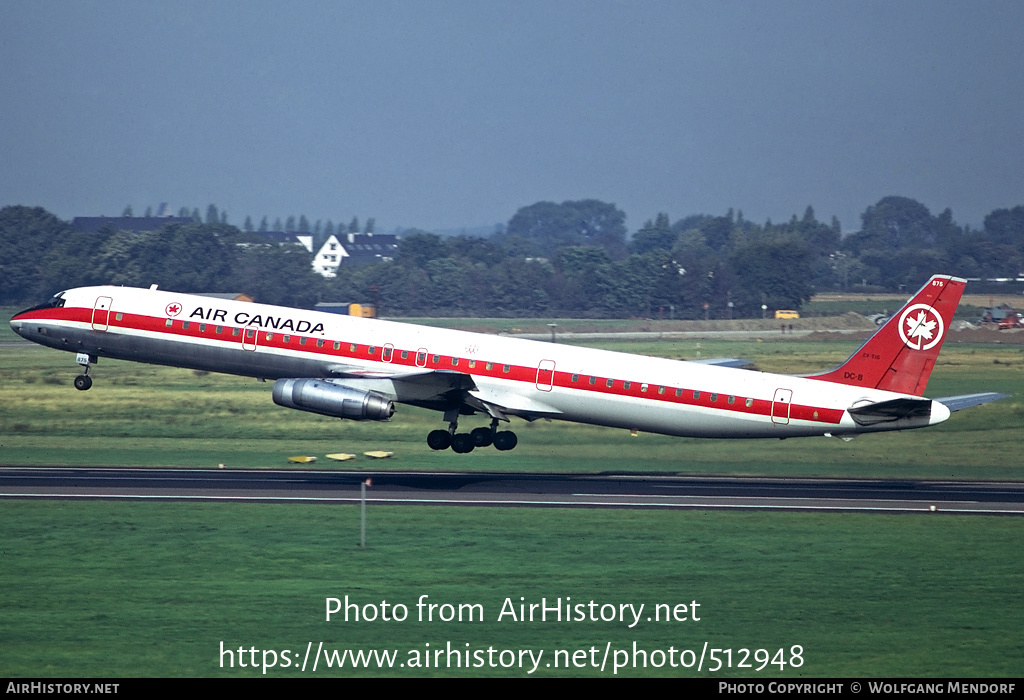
(16, 325)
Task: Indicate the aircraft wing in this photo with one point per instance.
(733, 362)
(958, 403)
(356, 372)
(421, 385)
(500, 403)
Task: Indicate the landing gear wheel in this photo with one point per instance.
(505, 440)
(83, 382)
(482, 437)
(439, 440)
(462, 443)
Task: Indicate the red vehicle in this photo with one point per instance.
(1011, 320)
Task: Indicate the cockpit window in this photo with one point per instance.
(55, 302)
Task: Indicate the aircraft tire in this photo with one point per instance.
(83, 382)
(482, 437)
(462, 443)
(439, 440)
(505, 440)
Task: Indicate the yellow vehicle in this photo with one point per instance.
(362, 310)
(786, 313)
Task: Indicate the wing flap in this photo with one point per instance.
(499, 403)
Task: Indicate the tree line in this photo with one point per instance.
(568, 259)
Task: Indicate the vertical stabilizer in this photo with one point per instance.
(901, 355)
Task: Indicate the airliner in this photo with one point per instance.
(360, 368)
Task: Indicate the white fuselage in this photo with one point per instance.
(524, 378)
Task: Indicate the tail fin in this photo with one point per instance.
(900, 356)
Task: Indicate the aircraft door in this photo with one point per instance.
(101, 313)
(546, 375)
(249, 338)
(388, 353)
(421, 357)
(780, 406)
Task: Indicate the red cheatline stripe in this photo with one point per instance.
(518, 373)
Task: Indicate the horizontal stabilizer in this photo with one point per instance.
(958, 403)
(733, 362)
(889, 411)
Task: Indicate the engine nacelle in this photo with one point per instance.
(327, 399)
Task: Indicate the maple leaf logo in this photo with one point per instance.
(921, 327)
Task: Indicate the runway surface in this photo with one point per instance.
(514, 490)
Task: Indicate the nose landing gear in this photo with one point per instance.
(84, 381)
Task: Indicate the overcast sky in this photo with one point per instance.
(447, 114)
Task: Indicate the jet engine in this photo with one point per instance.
(328, 399)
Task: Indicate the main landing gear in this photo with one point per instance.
(461, 443)
(83, 381)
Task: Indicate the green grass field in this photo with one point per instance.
(152, 589)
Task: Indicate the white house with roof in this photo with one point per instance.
(329, 257)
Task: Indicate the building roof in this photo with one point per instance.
(95, 224)
(364, 248)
